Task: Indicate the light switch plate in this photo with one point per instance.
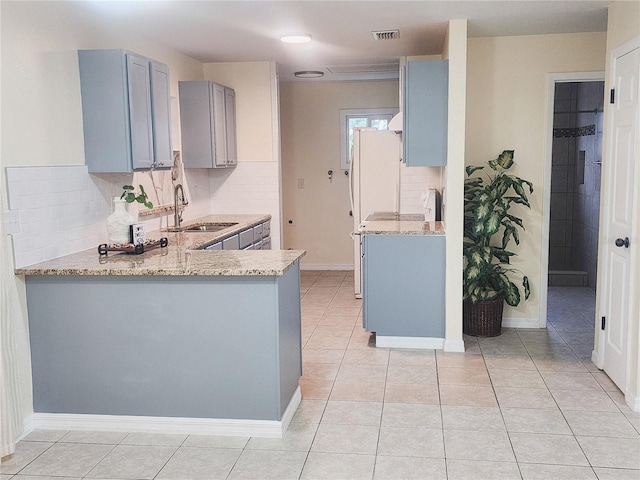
(301, 183)
(12, 224)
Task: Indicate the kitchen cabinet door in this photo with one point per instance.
(230, 124)
(426, 97)
(403, 285)
(139, 83)
(219, 126)
(207, 121)
(161, 114)
(124, 111)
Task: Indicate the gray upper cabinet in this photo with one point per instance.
(125, 111)
(424, 136)
(208, 125)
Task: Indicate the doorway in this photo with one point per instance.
(576, 164)
(574, 210)
(571, 200)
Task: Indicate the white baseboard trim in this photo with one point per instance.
(410, 342)
(454, 345)
(595, 359)
(325, 267)
(633, 401)
(532, 322)
(28, 425)
(170, 425)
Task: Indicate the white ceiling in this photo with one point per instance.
(238, 30)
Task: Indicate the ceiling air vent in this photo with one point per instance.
(386, 34)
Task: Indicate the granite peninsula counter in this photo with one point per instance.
(173, 340)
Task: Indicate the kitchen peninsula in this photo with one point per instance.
(175, 340)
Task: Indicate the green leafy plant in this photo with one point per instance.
(489, 228)
(130, 196)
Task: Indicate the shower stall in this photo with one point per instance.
(575, 183)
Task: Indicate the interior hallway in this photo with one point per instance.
(525, 405)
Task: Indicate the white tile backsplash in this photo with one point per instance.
(62, 209)
(251, 187)
(413, 183)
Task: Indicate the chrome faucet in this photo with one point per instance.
(177, 214)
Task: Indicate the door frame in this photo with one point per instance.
(632, 399)
(552, 79)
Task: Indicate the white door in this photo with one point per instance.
(621, 180)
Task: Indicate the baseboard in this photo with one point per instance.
(28, 425)
(170, 425)
(325, 267)
(595, 359)
(532, 322)
(633, 401)
(410, 342)
(454, 345)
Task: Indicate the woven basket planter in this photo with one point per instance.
(482, 319)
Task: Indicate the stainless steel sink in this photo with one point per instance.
(210, 227)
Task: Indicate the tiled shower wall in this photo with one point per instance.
(575, 178)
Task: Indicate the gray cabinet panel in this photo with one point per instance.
(231, 243)
(161, 113)
(246, 238)
(175, 346)
(219, 122)
(123, 110)
(196, 124)
(404, 289)
(424, 136)
(230, 124)
(207, 120)
(140, 112)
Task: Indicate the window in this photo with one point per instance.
(351, 119)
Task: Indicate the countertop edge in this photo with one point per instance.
(189, 271)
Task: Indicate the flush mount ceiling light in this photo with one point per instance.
(296, 38)
(309, 74)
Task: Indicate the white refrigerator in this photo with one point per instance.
(375, 183)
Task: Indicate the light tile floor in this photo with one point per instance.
(528, 404)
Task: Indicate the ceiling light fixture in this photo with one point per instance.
(296, 38)
(309, 74)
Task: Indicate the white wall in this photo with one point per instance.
(310, 148)
(42, 127)
(456, 51)
(254, 185)
(506, 109)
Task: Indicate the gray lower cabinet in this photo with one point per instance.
(231, 243)
(208, 125)
(426, 97)
(404, 285)
(175, 346)
(253, 238)
(125, 111)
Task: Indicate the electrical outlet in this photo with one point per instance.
(12, 223)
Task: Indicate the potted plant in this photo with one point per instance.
(119, 221)
(489, 229)
(130, 196)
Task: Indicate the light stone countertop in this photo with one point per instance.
(401, 227)
(180, 257)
